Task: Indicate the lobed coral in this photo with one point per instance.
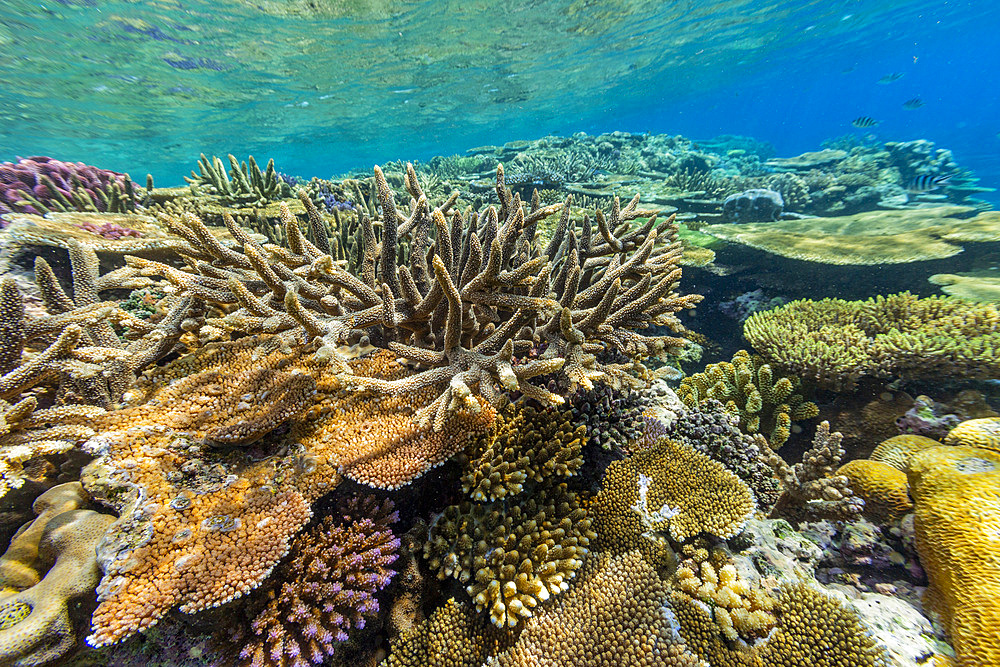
(326, 588)
(956, 493)
(835, 342)
(748, 388)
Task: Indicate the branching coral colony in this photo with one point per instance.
(454, 313)
(480, 307)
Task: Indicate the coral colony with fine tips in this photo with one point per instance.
(427, 334)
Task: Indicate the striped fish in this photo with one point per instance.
(927, 182)
(914, 103)
(889, 78)
(864, 121)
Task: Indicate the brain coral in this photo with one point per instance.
(956, 491)
(897, 450)
(835, 342)
(983, 433)
(670, 489)
(616, 614)
(883, 488)
(326, 587)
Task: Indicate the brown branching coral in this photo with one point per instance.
(475, 296)
(202, 523)
(811, 488)
(748, 388)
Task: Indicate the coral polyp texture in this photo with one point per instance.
(834, 343)
(747, 387)
(42, 184)
(956, 493)
(327, 587)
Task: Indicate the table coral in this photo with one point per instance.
(616, 614)
(956, 492)
(748, 388)
(327, 587)
(202, 524)
(835, 342)
(668, 489)
(35, 620)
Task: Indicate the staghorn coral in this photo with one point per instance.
(837, 342)
(326, 588)
(956, 493)
(51, 563)
(883, 488)
(202, 524)
(983, 433)
(810, 488)
(712, 430)
(512, 557)
(615, 614)
(672, 490)
(813, 629)
(747, 387)
(245, 184)
(43, 185)
(473, 292)
(530, 444)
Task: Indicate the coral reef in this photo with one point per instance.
(453, 636)
(755, 205)
(983, 433)
(834, 342)
(748, 388)
(50, 563)
(326, 588)
(42, 185)
(883, 488)
(956, 493)
(245, 184)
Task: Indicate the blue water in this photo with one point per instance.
(324, 87)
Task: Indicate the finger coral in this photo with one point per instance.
(956, 492)
(512, 557)
(748, 388)
(245, 184)
(668, 489)
(834, 343)
(616, 614)
(327, 587)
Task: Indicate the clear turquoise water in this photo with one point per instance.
(325, 85)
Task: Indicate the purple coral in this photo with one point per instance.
(40, 182)
(109, 230)
(326, 588)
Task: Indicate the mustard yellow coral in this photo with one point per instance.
(983, 433)
(897, 450)
(956, 491)
(883, 488)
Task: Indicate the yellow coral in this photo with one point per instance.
(897, 450)
(983, 433)
(453, 636)
(883, 488)
(956, 490)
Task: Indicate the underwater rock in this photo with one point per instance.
(756, 205)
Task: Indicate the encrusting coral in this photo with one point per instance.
(956, 493)
(325, 589)
(748, 388)
(51, 562)
(834, 343)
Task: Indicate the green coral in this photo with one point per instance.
(834, 342)
(245, 184)
(748, 388)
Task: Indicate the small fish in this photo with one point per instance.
(889, 78)
(927, 182)
(913, 103)
(864, 121)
